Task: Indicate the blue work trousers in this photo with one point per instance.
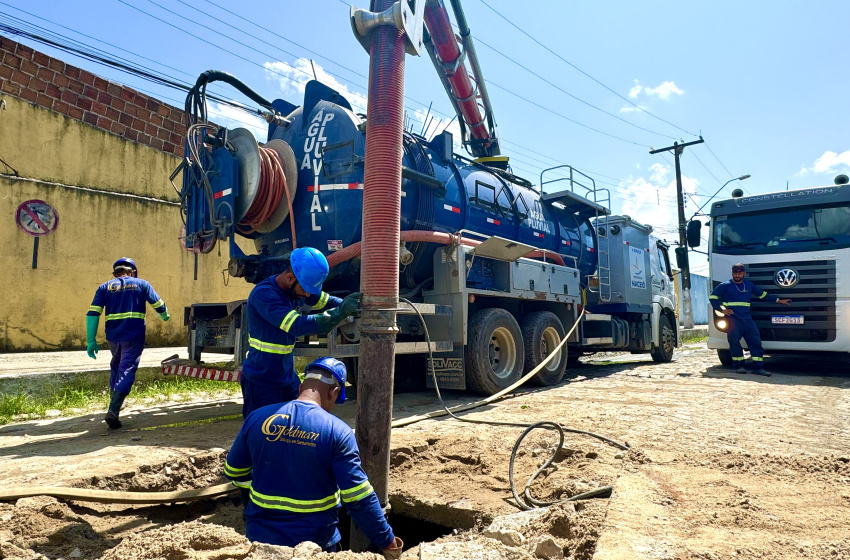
(745, 328)
(125, 361)
(256, 396)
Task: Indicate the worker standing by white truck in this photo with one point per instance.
(795, 244)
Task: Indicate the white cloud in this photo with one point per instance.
(652, 200)
(830, 162)
(663, 91)
(632, 109)
(232, 117)
(293, 78)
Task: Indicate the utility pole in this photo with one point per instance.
(687, 308)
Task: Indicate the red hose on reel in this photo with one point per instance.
(270, 192)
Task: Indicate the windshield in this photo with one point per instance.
(783, 231)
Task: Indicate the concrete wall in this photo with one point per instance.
(699, 299)
(113, 199)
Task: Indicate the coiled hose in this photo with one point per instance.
(532, 503)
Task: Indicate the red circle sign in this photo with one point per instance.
(36, 218)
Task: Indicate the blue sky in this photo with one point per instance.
(765, 83)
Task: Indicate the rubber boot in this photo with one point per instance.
(115, 401)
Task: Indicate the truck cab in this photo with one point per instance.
(795, 244)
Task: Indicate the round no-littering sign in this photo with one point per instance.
(36, 218)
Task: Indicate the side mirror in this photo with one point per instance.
(693, 233)
(682, 257)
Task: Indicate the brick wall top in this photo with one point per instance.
(50, 83)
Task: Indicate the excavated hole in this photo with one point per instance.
(470, 476)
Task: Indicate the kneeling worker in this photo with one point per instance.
(275, 323)
(299, 462)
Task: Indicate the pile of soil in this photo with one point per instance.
(189, 473)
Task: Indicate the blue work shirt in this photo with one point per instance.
(300, 462)
(274, 323)
(737, 297)
(124, 301)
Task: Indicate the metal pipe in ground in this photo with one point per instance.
(379, 257)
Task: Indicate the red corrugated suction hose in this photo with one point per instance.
(442, 34)
(382, 178)
(270, 192)
(418, 236)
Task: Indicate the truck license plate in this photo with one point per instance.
(787, 319)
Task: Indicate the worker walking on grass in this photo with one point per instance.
(300, 462)
(123, 298)
(275, 322)
(732, 298)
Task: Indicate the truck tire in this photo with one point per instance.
(541, 332)
(725, 357)
(494, 355)
(663, 353)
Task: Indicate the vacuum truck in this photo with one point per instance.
(499, 270)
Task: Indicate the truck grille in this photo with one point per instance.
(813, 295)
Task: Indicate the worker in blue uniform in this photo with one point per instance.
(300, 463)
(275, 322)
(123, 298)
(733, 298)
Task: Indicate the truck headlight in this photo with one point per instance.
(721, 324)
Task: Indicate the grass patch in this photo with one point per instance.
(86, 391)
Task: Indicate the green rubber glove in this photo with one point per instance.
(91, 333)
(164, 315)
(329, 319)
(350, 304)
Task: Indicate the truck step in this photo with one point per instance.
(191, 368)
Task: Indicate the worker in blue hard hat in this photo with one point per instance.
(275, 322)
(299, 463)
(123, 299)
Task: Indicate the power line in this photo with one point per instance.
(518, 28)
(533, 73)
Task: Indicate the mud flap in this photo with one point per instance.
(448, 366)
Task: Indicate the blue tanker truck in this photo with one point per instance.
(500, 270)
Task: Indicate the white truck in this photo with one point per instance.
(795, 244)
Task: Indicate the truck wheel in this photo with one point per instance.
(725, 357)
(663, 353)
(494, 352)
(542, 332)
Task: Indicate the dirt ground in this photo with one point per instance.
(721, 466)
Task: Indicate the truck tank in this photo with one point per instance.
(441, 192)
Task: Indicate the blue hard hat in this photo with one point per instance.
(310, 268)
(336, 368)
(125, 261)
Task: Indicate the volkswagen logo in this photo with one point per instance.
(785, 278)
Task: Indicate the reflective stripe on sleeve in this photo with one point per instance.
(233, 471)
(269, 347)
(763, 295)
(128, 315)
(288, 320)
(713, 297)
(323, 301)
(157, 303)
(291, 504)
(736, 303)
(357, 493)
(96, 308)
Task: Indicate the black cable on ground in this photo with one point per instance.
(528, 429)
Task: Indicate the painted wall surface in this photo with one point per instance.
(699, 299)
(44, 308)
(43, 144)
